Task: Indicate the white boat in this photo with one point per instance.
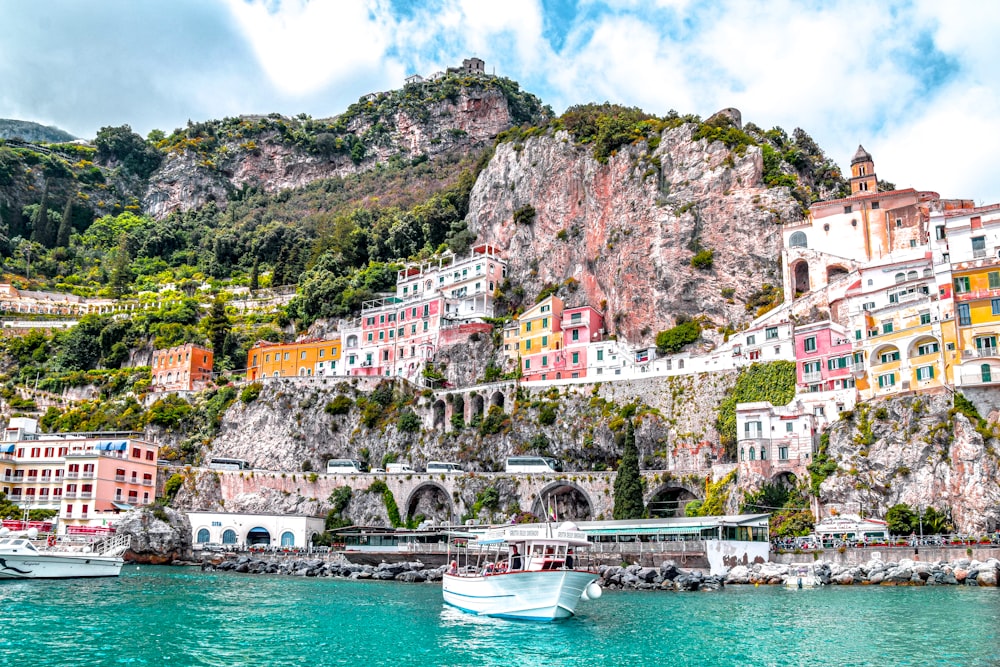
(527, 571)
(801, 577)
(21, 559)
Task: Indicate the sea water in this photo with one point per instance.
(181, 616)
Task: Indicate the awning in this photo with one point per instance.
(119, 446)
(7, 449)
(649, 530)
(122, 506)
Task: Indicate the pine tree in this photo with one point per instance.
(628, 482)
(65, 225)
(121, 268)
(255, 274)
(40, 221)
(218, 326)
(278, 274)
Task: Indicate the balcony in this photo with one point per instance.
(87, 475)
(119, 478)
(72, 475)
(981, 352)
(815, 376)
(86, 494)
(977, 379)
(147, 482)
(69, 494)
(973, 295)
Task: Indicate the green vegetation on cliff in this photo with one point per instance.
(773, 382)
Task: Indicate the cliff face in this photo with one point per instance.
(274, 159)
(626, 231)
(914, 451)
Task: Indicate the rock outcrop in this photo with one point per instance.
(875, 572)
(160, 535)
(914, 450)
(624, 233)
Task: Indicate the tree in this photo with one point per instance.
(121, 268)
(65, 225)
(218, 326)
(255, 274)
(122, 145)
(900, 519)
(673, 340)
(628, 482)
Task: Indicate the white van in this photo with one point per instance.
(532, 464)
(399, 469)
(444, 467)
(343, 467)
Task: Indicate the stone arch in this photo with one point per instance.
(432, 500)
(258, 535)
(497, 399)
(439, 412)
(913, 349)
(876, 357)
(458, 406)
(669, 500)
(477, 403)
(569, 501)
(785, 479)
(798, 240)
(800, 277)
(835, 272)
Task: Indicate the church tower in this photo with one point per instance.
(863, 178)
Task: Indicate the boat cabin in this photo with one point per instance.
(521, 548)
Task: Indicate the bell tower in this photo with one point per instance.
(863, 178)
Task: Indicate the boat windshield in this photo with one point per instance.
(12, 543)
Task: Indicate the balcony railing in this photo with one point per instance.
(978, 379)
(119, 478)
(815, 376)
(972, 295)
(981, 352)
(147, 482)
(69, 494)
(72, 475)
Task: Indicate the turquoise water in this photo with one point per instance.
(175, 616)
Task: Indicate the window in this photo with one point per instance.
(229, 536)
(576, 357)
(847, 209)
(939, 232)
(287, 357)
(789, 426)
(810, 344)
(751, 340)
(527, 344)
(962, 284)
(925, 373)
(985, 345)
(527, 326)
(545, 323)
(994, 278)
(995, 304)
(887, 380)
(838, 362)
(545, 361)
(925, 318)
(545, 341)
(575, 335)
(900, 277)
(979, 246)
(527, 364)
(857, 334)
(798, 240)
(771, 333)
(985, 373)
(899, 222)
(869, 305)
(600, 355)
(886, 327)
(913, 243)
(887, 357)
(964, 316)
(752, 429)
(203, 536)
(927, 348)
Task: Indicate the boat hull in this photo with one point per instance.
(539, 596)
(42, 566)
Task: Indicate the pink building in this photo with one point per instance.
(580, 326)
(86, 477)
(823, 357)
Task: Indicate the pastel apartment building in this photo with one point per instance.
(86, 477)
(824, 355)
(302, 358)
(966, 251)
(182, 368)
(774, 440)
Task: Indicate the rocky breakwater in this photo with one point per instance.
(409, 572)
(906, 572)
(160, 535)
(665, 577)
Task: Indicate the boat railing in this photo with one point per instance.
(116, 545)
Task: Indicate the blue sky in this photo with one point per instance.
(916, 82)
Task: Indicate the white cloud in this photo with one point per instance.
(304, 46)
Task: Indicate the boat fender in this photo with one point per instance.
(51, 541)
(593, 591)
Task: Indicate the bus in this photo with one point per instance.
(532, 464)
(228, 464)
(343, 466)
(442, 466)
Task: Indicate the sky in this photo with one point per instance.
(917, 82)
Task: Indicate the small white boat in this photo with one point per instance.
(801, 577)
(21, 559)
(527, 571)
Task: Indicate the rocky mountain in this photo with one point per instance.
(621, 235)
(915, 450)
(208, 161)
(26, 130)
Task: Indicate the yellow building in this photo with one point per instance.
(303, 358)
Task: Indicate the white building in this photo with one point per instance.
(253, 529)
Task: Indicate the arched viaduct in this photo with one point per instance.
(568, 495)
(470, 404)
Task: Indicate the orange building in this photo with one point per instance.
(182, 368)
(300, 359)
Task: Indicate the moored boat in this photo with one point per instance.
(527, 571)
(20, 558)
